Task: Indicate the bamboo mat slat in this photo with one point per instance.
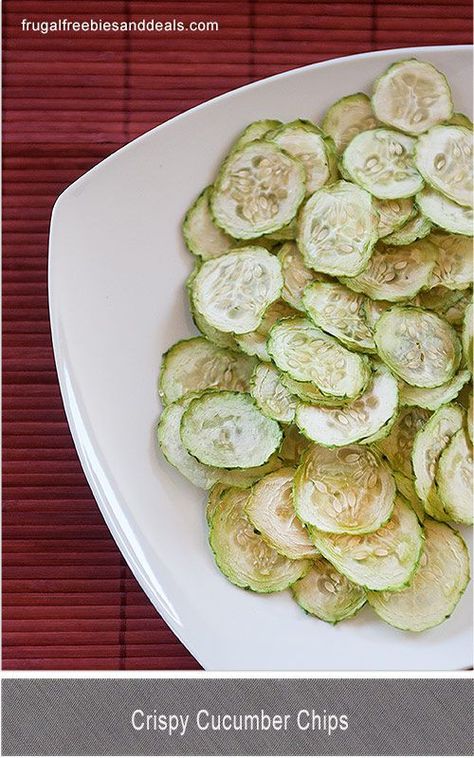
(69, 600)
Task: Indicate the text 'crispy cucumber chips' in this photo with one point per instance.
(327, 402)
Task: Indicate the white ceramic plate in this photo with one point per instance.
(116, 273)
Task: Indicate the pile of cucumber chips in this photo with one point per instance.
(327, 403)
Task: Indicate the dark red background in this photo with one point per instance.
(70, 602)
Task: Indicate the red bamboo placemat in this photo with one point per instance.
(69, 600)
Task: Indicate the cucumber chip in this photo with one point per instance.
(382, 560)
(338, 227)
(454, 264)
(213, 498)
(414, 229)
(196, 364)
(357, 421)
(293, 446)
(396, 273)
(339, 311)
(308, 354)
(327, 594)
(412, 96)
(347, 117)
(344, 490)
(373, 309)
(242, 555)
(308, 393)
(419, 346)
(246, 477)
(406, 487)
(393, 214)
(296, 275)
(470, 419)
(397, 446)
(428, 445)
(437, 586)
(382, 162)
(271, 512)
(454, 478)
(460, 119)
(445, 213)
(255, 343)
(257, 130)
(169, 440)
(201, 235)
(233, 292)
(433, 398)
(227, 430)
(258, 190)
(271, 395)
(444, 158)
(304, 141)
(456, 313)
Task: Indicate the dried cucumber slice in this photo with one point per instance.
(414, 229)
(196, 364)
(305, 141)
(454, 265)
(419, 346)
(455, 313)
(293, 446)
(437, 299)
(373, 309)
(382, 560)
(213, 498)
(454, 478)
(357, 421)
(283, 235)
(309, 393)
(308, 354)
(255, 343)
(258, 190)
(226, 429)
(412, 96)
(344, 490)
(169, 440)
(339, 312)
(428, 445)
(271, 512)
(437, 586)
(444, 158)
(221, 339)
(271, 395)
(296, 275)
(395, 273)
(460, 119)
(201, 235)
(232, 292)
(382, 162)
(257, 130)
(397, 446)
(433, 398)
(327, 594)
(393, 214)
(347, 117)
(406, 487)
(467, 336)
(242, 555)
(445, 213)
(337, 229)
(246, 477)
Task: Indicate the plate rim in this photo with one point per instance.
(107, 509)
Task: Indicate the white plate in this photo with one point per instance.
(116, 281)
